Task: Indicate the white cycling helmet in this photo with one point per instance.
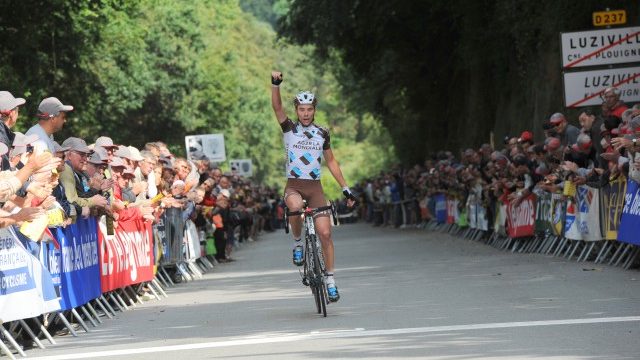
(305, 98)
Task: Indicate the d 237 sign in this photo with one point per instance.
(522, 218)
(126, 257)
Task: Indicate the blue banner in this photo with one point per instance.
(73, 262)
(441, 208)
(630, 221)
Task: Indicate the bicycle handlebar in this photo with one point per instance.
(309, 210)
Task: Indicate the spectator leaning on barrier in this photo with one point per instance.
(75, 181)
(9, 109)
(567, 133)
(52, 115)
(612, 105)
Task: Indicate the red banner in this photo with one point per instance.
(126, 258)
(521, 219)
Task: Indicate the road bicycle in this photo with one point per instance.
(313, 272)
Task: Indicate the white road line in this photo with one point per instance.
(358, 332)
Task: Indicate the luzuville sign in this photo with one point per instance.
(584, 88)
(600, 47)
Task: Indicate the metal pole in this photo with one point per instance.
(31, 334)
(160, 289)
(66, 323)
(120, 305)
(93, 312)
(88, 316)
(44, 331)
(12, 341)
(103, 308)
(121, 301)
(80, 321)
(5, 349)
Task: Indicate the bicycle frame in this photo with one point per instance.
(313, 272)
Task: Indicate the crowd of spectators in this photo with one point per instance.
(605, 147)
(41, 177)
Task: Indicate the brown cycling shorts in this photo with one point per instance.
(310, 190)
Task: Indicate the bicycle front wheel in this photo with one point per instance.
(321, 289)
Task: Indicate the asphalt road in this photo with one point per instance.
(405, 294)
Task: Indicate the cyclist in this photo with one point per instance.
(305, 145)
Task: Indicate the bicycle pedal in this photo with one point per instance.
(305, 281)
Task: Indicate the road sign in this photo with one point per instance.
(606, 18)
(205, 147)
(583, 88)
(600, 47)
(242, 167)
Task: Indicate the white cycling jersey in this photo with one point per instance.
(304, 146)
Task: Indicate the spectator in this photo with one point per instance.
(52, 115)
(567, 133)
(612, 105)
(9, 109)
(75, 181)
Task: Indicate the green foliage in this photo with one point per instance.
(151, 70)
(444, 74)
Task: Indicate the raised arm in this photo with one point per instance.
(276, 100)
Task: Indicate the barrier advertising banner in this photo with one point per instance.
(582, 221)
(521, 218)
(26, 288)
(441, 208)
(126, 258)
(192, 241)
(630, 223)
(612, 204)
(452, 211)
(500, 221)
(558, 213)
(543, 213)
(75, 262)
(171, 229)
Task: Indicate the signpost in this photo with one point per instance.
(242, 167)
(607, 18)
(583, 88)
(205, 147)
(601, 48)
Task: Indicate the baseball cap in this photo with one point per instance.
(76, 144)
(583, 143)
(98, 158)
(105, 142)
(123, 152)
(552, 144)
(128, 171)
(57, 148)
(22, 140)
(526, 136)
(225, 193)
(117, 162)
(556, 118)
(9, 102)
(178, 183)
(135, 154)
(51, 107)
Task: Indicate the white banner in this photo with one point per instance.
(583, 88)
(582, 221)
(600, 47)
(206, 147)
(26, 289)
(192, 241)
